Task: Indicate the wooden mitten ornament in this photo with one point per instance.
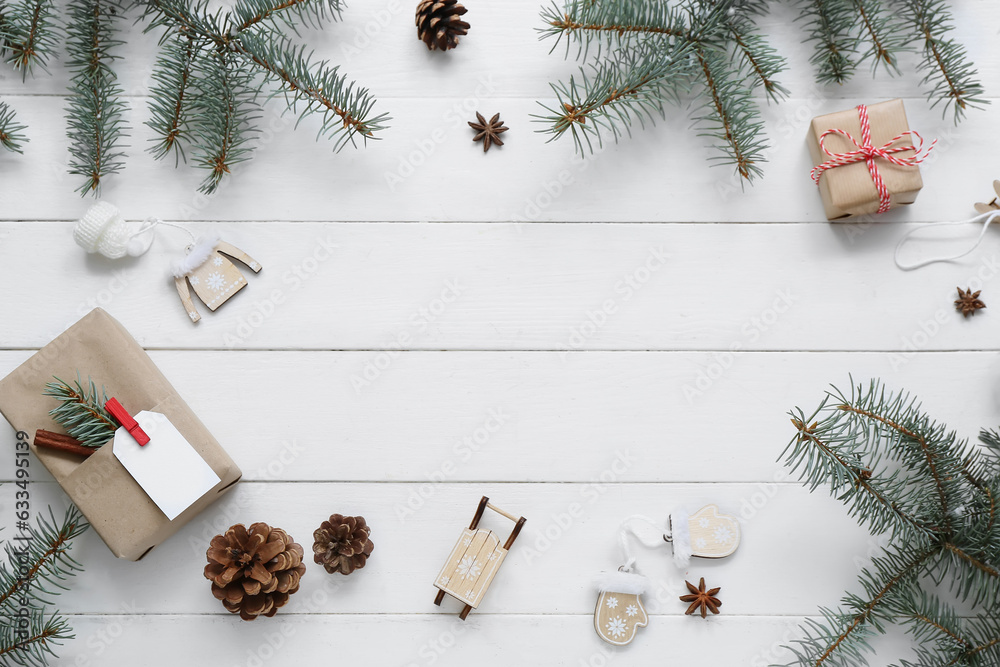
(706, 534)
(209, 271)
(620, 612)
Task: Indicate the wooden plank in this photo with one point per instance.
(568, 288)
(570, 538)
(541, 182)
(596, 418)
(420, 641)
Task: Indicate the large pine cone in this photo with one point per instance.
(439, 23)
(342, 544)
(254, 571)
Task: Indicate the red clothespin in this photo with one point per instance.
(125, 419)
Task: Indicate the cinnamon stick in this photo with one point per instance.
(62, 442)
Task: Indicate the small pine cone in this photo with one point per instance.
(254, 571)
(342, 544)
(439, 23)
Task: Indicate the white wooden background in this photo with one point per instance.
(377, 339)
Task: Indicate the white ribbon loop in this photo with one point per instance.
(986, 218)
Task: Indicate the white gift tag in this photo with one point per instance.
(168, 468)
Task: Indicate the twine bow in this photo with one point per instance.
(865, 151)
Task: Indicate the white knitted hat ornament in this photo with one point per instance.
(103, 230)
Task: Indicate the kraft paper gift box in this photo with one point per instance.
(849, 189)
(127, 519)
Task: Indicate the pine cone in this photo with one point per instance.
(342, 544)
(254, 571)
(439, 23)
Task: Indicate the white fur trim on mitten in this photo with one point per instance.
(629, 583)
(196, 256)
(680, 536)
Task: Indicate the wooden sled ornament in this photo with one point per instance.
(209, 271)
(706, 534)
(475, 560)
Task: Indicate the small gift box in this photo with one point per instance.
(167, 486)
(865, 159)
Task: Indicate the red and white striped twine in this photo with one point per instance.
(868, 153)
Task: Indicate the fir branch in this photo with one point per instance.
(931, 457)
(96, 108)
(169, 101)
(12, 135)
(248, 53)
(842, 639)
(29, 35)
(972, 573)
(344, 109)
(189, 16)
(643, 68)
(81, 411)
(759, 59)
(885, 41)
(952, 78)
(731, 116)
(828, 26)
(876, 444)
(223, 114)
(35, 645)
(584, 21)
(44, 564)
(35, 571)
(616, 93)
(835, 461)
(313, 13)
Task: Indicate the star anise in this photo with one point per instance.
(968, 302)
(489, 132)
(702, 599)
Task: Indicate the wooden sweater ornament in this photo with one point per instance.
(208, 270)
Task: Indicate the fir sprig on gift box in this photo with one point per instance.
(36, 570)
(81, 411)
(638, 55)
(938, 500)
